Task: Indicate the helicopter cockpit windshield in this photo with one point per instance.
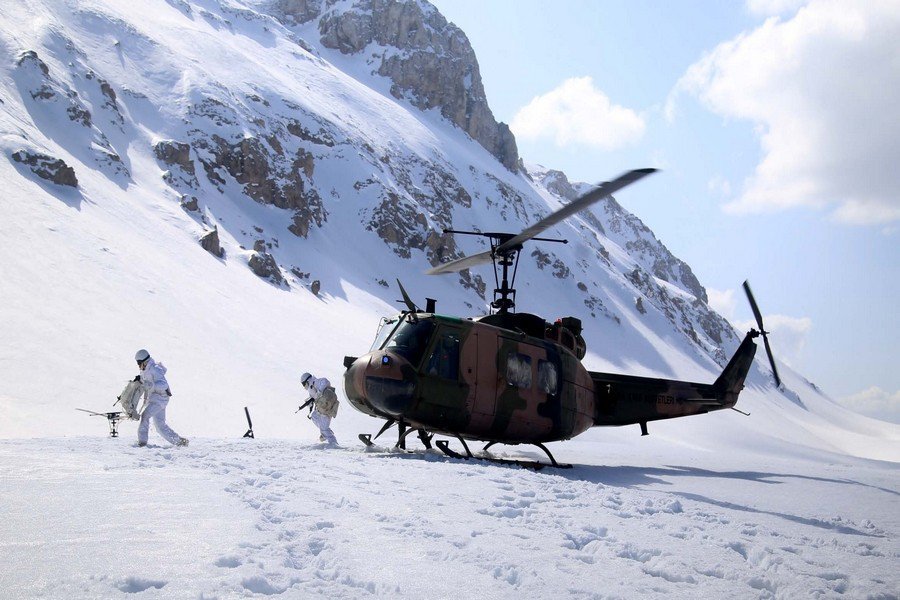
(410, 339)
(385, 329)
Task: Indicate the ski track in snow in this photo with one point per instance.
(280, 518)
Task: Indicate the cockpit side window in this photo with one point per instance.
(444, 359)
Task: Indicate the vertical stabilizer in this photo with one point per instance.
(731, 381)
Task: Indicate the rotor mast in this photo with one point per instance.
(505, 247)
(507, 294)
(504, 256)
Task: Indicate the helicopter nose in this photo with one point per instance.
(383, 380)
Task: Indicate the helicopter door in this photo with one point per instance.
(479, 372)
(442, 382)
(521, 388)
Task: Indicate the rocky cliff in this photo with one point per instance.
(429, 61)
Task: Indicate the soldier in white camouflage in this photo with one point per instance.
(325, 404)
(156, 398)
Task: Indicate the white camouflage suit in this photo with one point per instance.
(153, 381)
(316, 386)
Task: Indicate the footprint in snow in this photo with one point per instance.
(315, 546)
(260, 585)
(135, 585)
(228, 562)
(739, 548)
(641, 555)
(506, 573)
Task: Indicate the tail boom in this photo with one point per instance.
(627, 399)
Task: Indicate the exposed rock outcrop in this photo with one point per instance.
(174, 153)
(263, 264)
(55, 101)
(210, 242)
(268, 173)
(190, 203)
(688, 316)
(430, 61)
(177, 155)
(54, 170)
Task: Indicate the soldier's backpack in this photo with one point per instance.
(129, 399)
(327, 403)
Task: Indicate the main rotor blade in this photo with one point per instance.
(461, 264)
(406, 299)
(598, 193)
(601, 191)
(91, 412)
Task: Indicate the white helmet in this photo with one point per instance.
(304, 379)
(141, 355)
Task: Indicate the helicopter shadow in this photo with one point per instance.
(637, 477)
(634, 477)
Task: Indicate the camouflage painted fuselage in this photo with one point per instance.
(475, 380)
(489, 380)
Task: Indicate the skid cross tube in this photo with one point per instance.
(539, 445)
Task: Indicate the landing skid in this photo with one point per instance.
(444, 446)
(404, 430)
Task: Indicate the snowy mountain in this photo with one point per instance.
(236, 185)
(187, 176)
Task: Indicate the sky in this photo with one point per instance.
(776, 124)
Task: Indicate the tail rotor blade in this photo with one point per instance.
(763, 332)
(754, 307)
(772, 361)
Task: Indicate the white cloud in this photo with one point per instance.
(578, 113)
(768, 8)
(876, 403)
(720, 186)
(787, 336)
(823, 89)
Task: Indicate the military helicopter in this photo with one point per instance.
(513, 378)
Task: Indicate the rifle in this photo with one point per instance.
(304, 405)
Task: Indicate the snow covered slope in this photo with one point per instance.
(130, 132)
(245, 518)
